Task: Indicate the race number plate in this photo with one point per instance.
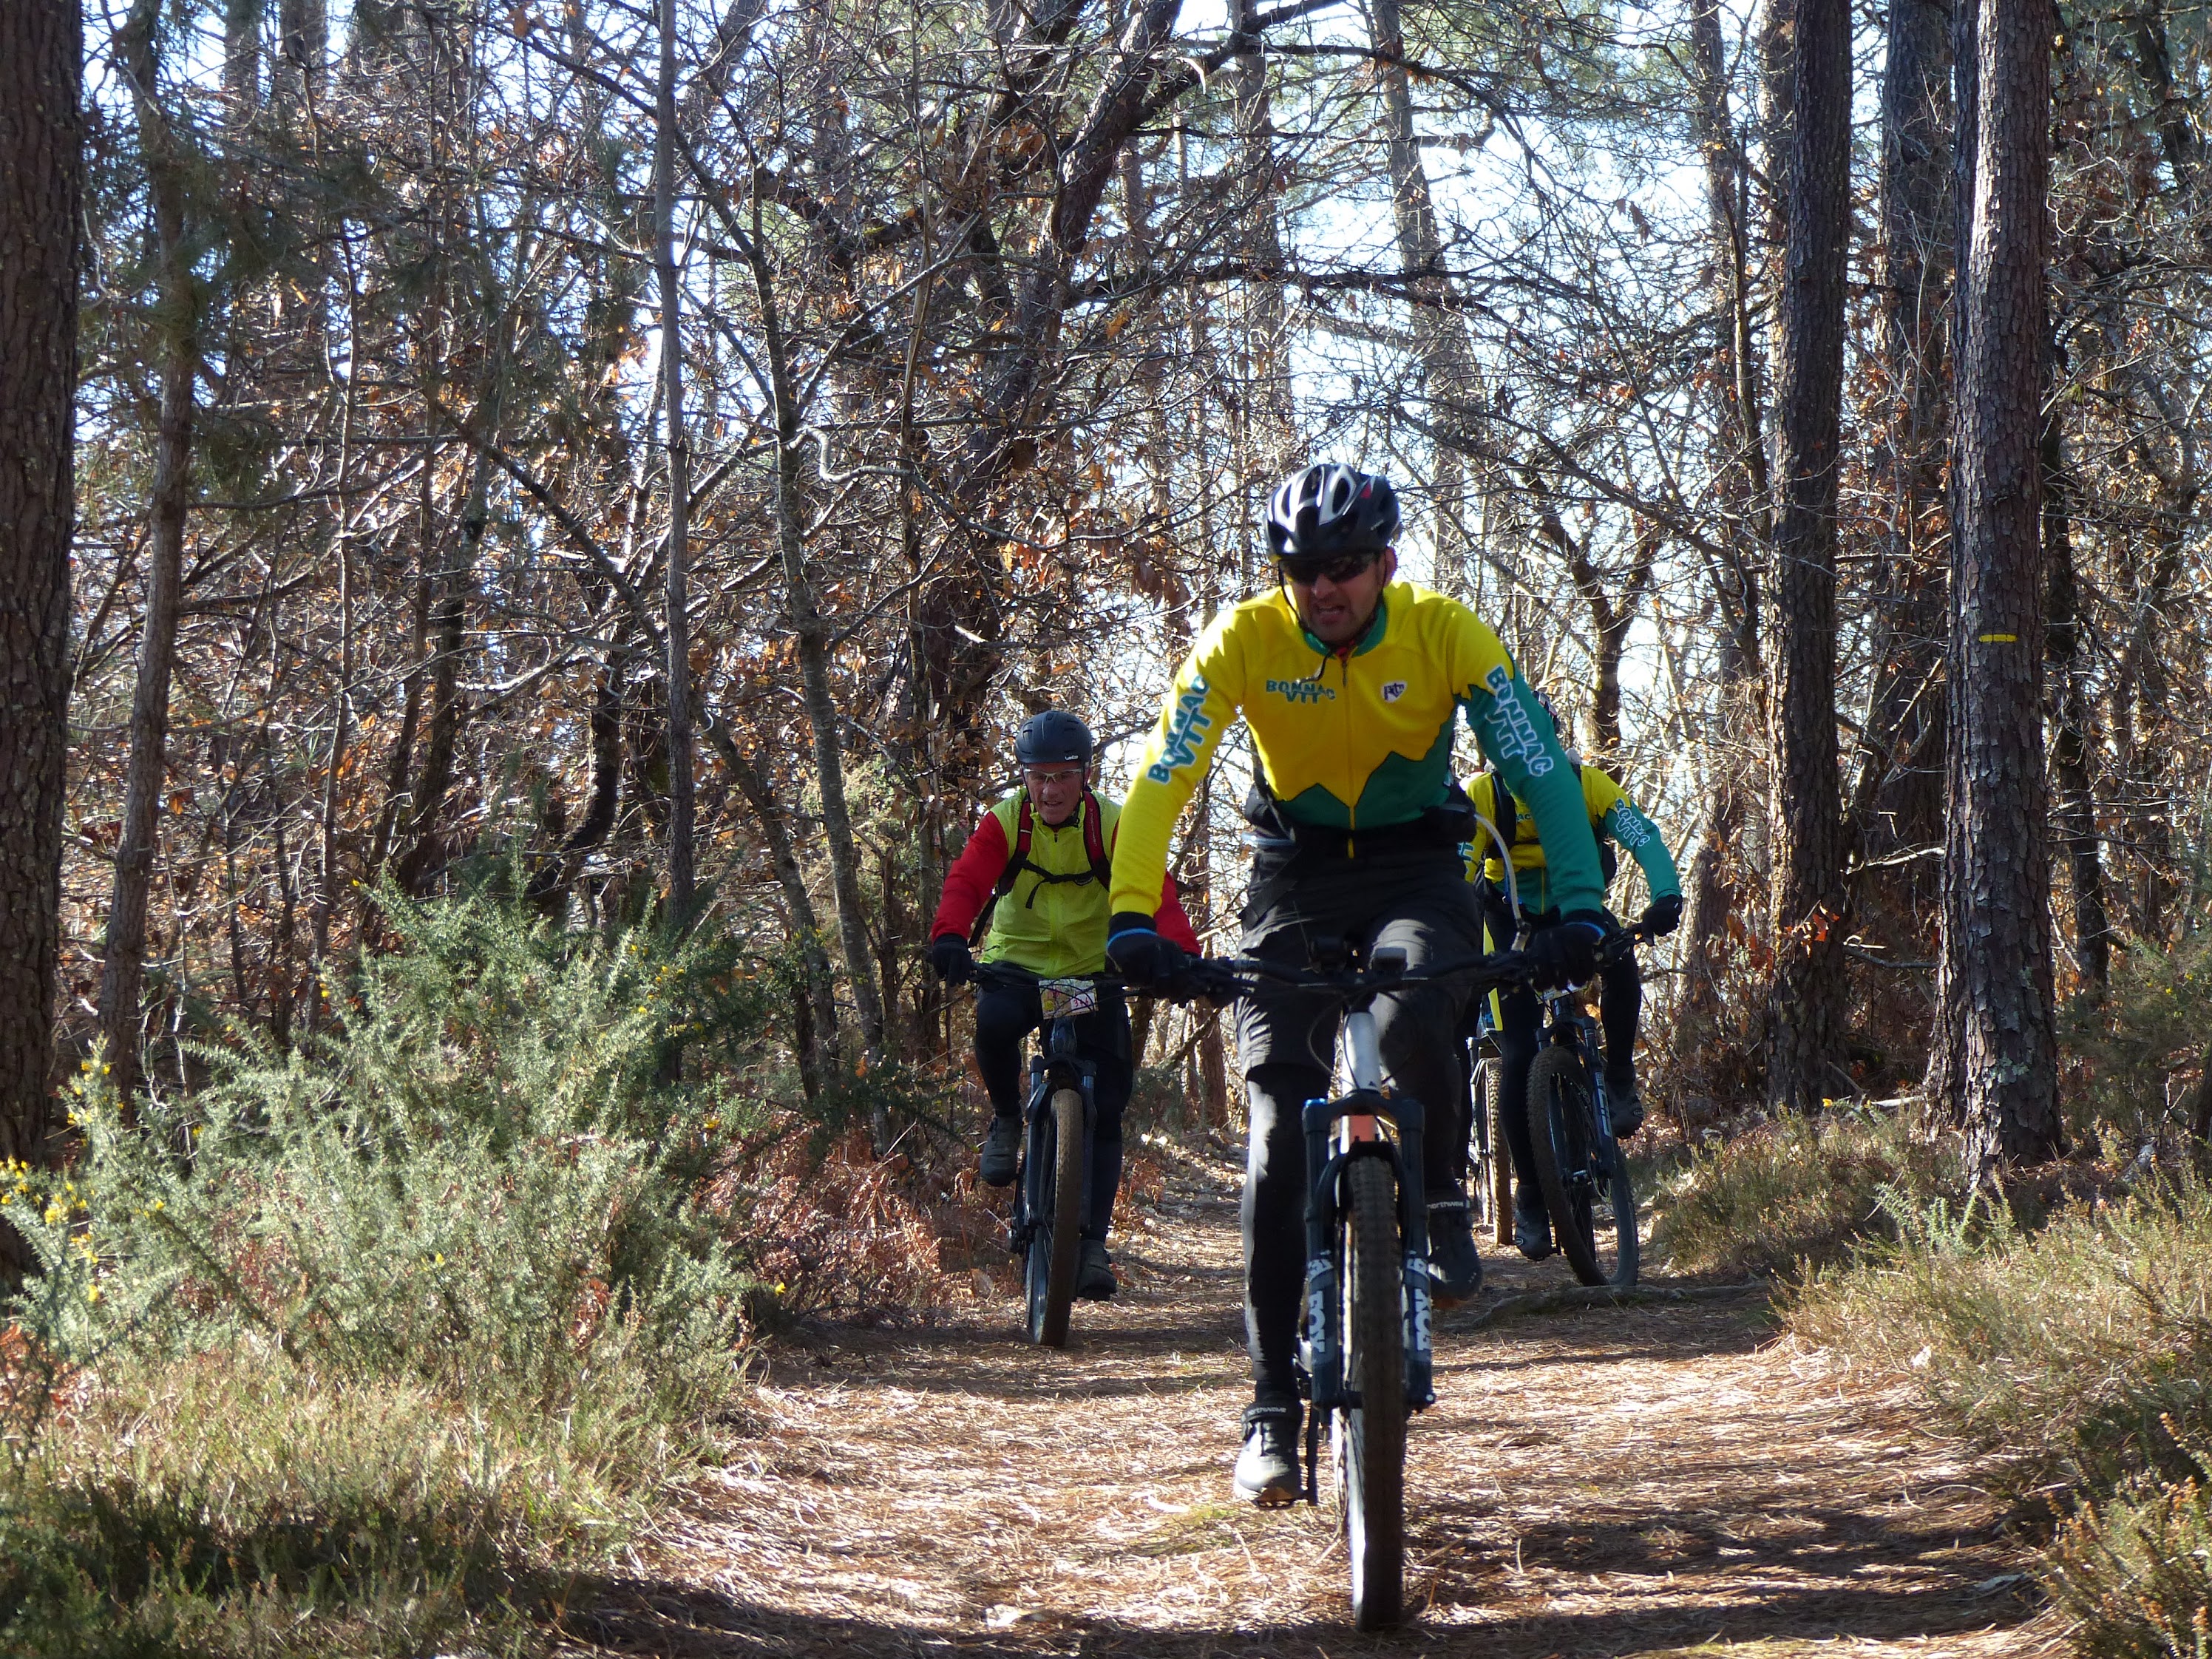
(1067, 998)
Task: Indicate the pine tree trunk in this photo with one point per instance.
(682, 874)
(811, 636)
(1897, 798)
(177, 335)
(1805, 999)
(1715, 888)
(1449, 378)
(817, 1021)
(2074, 800)
(1997, 944)
(1266, 324)
(41, 187)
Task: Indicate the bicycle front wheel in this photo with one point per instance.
(1056, 1246)
(1496, 1175)
(1368, 1436)
(1584, 1176)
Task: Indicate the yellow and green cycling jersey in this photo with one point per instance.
(1613, 816)
(1357, 737)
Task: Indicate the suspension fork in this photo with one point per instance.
(1359, 1138)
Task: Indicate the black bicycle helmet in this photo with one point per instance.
(1054, 736)
(1328, 508)
(1559, 720)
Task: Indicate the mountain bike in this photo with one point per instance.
(1052, 1192)
(1579, 1165)
(1364, 1356)
(1490, 1169)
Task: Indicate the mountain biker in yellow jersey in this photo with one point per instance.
(1349, 681)
(1037, 864)
(1614, 819)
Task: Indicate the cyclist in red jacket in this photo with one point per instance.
(1040, 861)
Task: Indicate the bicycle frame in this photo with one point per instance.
(1055, 1066)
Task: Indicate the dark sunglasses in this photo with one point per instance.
(1337, 567)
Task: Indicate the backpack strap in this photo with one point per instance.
(1018, 860)
(1094, 848)
(1094, 840)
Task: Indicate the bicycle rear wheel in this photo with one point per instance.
(1056, 1245)
(1495, 1178)
(1369, 1439)
(1584, 1176)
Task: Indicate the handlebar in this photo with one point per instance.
(1005, 975)
(1239, 975)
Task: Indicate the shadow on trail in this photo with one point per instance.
(631, 1617)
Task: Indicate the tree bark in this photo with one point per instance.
(1265, 322)
(2070, 716)
(41, 190)
(812, 635)
(682, 878)
(1897, 798)
(177, 337)
(1715, 889)
(1806, 994)
(817, 1025)
(1996, 970)
(1441, 347)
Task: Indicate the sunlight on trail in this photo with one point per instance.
(1643, 1480)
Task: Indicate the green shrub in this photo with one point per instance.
(2154, 1019)
(1800, 1190)
(2080, 1355)
(444, 1277)
(2134, 1573)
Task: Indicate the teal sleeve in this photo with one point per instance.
(1517, 738)
(1632, 829)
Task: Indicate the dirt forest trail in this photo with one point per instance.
(1647, 1481)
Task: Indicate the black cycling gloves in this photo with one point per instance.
(1138, 953)
(1568, 954)
(1663, 915)
(951, 959)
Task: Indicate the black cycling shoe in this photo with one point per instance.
(1455, 1264)
(1002, 1152)
(1094, 1279)
(1625, 1106)
(1532, 1231)
(1267, 1468)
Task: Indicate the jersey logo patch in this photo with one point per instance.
(1181, 748)
(1632, 829)
(1296, 692)
(1511, 729)
(1393, 689)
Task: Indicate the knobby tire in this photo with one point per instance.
(1059, 1229)
(1597, 1237)
(1498, 1171)
(1369, 1438)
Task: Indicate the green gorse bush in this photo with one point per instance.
(443, 1276)
(2080, 1358)
(1798, 1191)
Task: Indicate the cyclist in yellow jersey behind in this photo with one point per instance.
(1349, 681)
(1613, 819)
